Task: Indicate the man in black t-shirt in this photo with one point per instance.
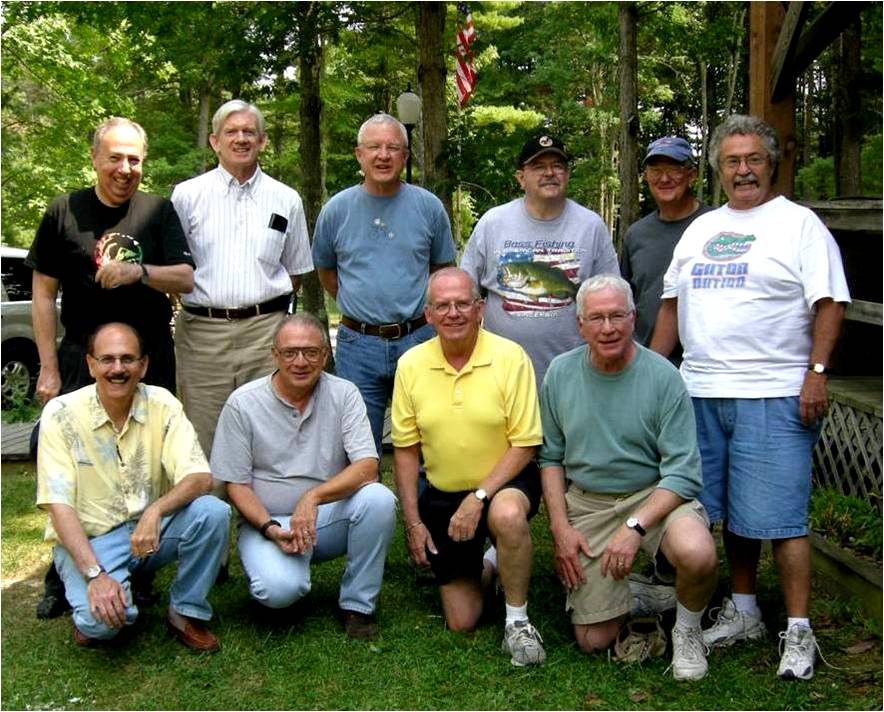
(115, 253)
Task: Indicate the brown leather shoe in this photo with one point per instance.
(80, 639)
(359, 625)
(192, 632)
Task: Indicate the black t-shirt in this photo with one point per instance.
(79, 233)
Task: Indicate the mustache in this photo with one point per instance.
(746, 181)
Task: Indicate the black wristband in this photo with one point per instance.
(266, 525)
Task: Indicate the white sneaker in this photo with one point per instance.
(798, 649)
(649, 598)
(732, 625)
(688, 654)
(524, 644)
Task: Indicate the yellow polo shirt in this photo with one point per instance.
(107, 477)
(465, 421)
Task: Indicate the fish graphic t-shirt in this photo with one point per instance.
(531, 269)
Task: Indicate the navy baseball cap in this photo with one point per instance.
(539, 145)
(673, 147)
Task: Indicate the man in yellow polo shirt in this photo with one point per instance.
(126, 486)
(467, 401)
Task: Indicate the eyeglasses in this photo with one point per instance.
(617, 319)
(109, 361)
(753, 160)
(441, 308)
(311, 354)
(541, 168)
(377, 147)
(655, 173)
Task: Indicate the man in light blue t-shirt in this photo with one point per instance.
(374, 247)
(630, 485)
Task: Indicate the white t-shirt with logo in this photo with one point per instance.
(746, 283)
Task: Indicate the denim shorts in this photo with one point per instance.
(757, 457)
(463, 559)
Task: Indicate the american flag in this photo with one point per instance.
(465, 68)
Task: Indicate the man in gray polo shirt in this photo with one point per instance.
(297, 453)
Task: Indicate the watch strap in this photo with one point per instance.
(266, 525)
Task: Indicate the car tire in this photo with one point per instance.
(21, 366)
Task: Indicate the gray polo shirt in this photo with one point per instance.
(263, 441)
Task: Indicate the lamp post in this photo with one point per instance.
(408, 106)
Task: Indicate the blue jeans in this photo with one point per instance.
(370, 363)
(195, 536)
(757, 458)
(360, 526)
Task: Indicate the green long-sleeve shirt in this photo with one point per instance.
(621, 432)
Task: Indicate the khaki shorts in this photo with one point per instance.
(597, 516)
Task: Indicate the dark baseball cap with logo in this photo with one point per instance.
(673, 147)
(539, 145)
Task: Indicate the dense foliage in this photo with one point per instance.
(67, 65)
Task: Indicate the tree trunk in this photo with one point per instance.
(704, 132)
(431, 75)
(202, 129)
(847, 109)
(629, 123)
(310, 71)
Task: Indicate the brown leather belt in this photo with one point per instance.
(277, 304)
(391, 332)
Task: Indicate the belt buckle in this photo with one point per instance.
(398, 328)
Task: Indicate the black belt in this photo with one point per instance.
(390, 332)
(277, 304)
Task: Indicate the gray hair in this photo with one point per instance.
(744, 125)
(235, 106)
(600, 282)
(450, 272)
(112, 123)
(381, 118)
(303, 319)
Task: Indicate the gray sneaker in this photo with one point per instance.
(732, 625)
(688, 654)
(649, 598)
(798, 649)
(524, 644)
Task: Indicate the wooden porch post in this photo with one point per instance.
(765, 21)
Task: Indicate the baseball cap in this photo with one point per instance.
(539, 145)
(673, 147)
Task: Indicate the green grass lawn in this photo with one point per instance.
(300, 659)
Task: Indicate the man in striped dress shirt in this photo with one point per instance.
(248, 236)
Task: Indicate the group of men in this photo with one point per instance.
(523, 375)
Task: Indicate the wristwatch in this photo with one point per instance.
(819, 368)
(635, 525)
(93, 572)
(481, 495)
(145, 277)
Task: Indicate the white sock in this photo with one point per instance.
(745, 602)
(686, 619)
(491, 557)
(803, 622)
(516, 613)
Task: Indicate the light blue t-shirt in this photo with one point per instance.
(382, 249)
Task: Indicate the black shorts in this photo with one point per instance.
(463, 559)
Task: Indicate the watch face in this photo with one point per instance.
(93, 572)
(631, 522)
